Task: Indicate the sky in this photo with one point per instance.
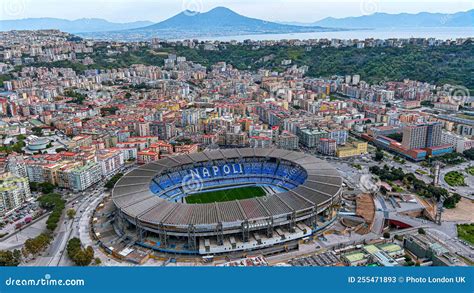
(272, 10)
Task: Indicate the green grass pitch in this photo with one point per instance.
(226, 195)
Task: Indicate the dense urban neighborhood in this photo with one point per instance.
(321, 152)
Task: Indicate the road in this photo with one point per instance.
(18, 238)
(453, 243)
(353, 175)
(466, 191)
(83, 203)
(56, 253)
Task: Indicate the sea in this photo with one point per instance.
(441, 33)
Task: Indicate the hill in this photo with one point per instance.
(70, 26)
(217, 22)
(423, 19)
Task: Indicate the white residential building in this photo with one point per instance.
(83, 177)
(14, 191)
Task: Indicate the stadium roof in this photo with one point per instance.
(132, 194)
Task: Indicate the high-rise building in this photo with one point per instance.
(433, 134)
(459, 142)
(260, 142)
(14, 191)
(287, 140)
(191, 116)
(327, 146)
(111, 161)
(420, 136)
(81, 178)
(16, 165)
(143, 128)
(162, 130)
(310, 137)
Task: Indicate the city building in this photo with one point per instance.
(310, 137)
(351, 149)
(287, 140)
(260, 142)
(421, 136)
(429, 248)
(16, 165)
(147, 156)
(460, 143)
(83, 177)
(14, 191)
(327, 146)
(110, 161)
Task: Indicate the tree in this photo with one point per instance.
(469, 154)
(77, 98)
(73, 245)
(74, 250)
(84, 257)
(55, 203)
(451, 201)
(398, 237)
(46, 187)
(111, 183)
(106, 111)
(71, 213)
(421, 231)
(386, 235)
(35, 245)
(33, 186)
(81, 257)
(18, 147)
(427, 104)
(10, 258)
(38, 131)
(396, 136)
(378, 155)
(97, 261)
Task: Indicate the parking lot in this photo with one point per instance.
(17, 218)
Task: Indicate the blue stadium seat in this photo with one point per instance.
(279, 176)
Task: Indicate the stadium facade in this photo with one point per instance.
(301, 194)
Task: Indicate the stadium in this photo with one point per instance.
(226, 201)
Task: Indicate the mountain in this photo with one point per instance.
(423, 19)
(70, 26)
(217, 22)
(220, 18)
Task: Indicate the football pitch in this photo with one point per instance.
(226, 195)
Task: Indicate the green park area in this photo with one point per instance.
(470, 171)
(466, 232)
(454, 178)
